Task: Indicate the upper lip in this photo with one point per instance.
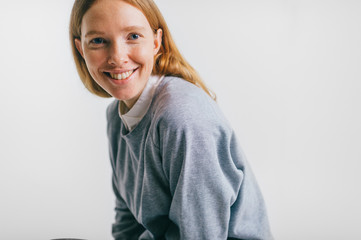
(119, 71)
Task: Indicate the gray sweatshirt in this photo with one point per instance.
(180, 174)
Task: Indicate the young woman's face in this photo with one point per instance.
(118, 46)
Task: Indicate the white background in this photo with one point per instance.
(287, 75)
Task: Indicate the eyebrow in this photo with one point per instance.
(129, 28)
(126, 29)
(93, 33)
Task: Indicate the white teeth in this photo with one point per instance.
(121, 76)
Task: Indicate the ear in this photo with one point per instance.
(158, 40)
(78, 46)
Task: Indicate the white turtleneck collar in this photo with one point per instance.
(131, 117)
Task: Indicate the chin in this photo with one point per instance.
(124, 96)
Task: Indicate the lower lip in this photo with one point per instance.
(123, 81)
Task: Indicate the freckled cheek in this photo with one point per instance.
(93, 62)
(95, 59)
(143, 56)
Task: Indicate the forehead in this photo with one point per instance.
(109, 14)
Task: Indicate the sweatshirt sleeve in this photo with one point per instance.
(125, 226)
(214, 193)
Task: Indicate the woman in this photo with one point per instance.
(178, 172)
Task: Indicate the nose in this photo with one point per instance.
(118, 54)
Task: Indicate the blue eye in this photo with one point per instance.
(134, 36)
(97, 41)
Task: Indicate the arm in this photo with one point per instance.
(125, 226)
(214, 193)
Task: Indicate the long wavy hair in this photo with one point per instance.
(168, 61)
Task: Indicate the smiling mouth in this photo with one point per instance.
(120, 76)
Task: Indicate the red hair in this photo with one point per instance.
(168, 61)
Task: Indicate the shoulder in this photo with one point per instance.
(112, 110)
(112, 115)
(179, 103)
